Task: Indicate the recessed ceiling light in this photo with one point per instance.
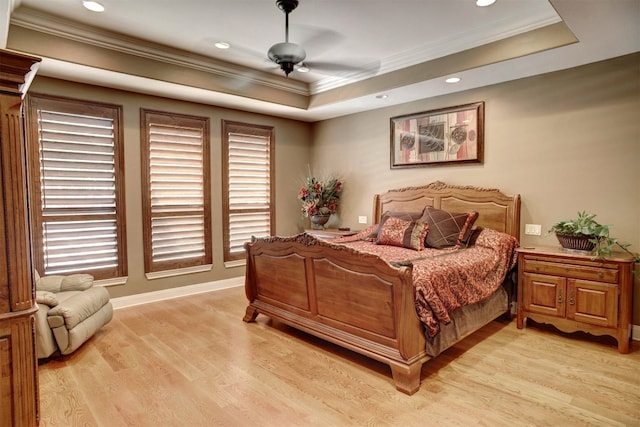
(222, 45)
(93, 6)
(303, 69)
(483, 3)
(382, 96)
(453, 80)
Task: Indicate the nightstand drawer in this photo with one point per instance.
(576, 271)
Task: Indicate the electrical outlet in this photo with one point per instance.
(362, 219)
(533, 229)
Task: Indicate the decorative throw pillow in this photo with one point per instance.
(447, 229)
(398, 232)
(407, 216)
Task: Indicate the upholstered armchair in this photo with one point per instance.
(70, 311)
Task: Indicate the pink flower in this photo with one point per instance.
(303, 192)
(320, 196)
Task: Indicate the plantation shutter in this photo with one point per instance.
(249, 186)
(178, 225)
(76, 220)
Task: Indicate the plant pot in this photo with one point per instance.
(576, 243)
(318, 221)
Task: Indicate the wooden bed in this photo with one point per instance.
(357, 300)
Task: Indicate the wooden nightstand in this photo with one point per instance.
(574, 292)
(329, 233)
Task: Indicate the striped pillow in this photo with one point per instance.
(407, 216)
(399, 232)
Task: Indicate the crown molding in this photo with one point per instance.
(72, 30)
(433, 50)
(463, 41)
(56, 26)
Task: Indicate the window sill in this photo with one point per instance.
(178, 272)
(235, 263)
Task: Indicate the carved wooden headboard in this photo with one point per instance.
(497, 210)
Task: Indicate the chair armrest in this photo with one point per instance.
(47, 298)
(79, 307)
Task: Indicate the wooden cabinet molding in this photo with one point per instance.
(574, 292)
(18, 362)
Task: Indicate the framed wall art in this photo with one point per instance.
(453, 135)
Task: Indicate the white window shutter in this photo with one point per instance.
(78, 192)
(177, 193)
(249, 192)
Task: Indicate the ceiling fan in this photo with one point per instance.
(287, 55)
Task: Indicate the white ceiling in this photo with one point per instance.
(357, 38)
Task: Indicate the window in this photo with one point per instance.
(248, 177)
(176, 199)
(76, 174)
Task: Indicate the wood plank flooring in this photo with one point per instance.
(192, 361)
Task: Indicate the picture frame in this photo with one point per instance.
(446, 136)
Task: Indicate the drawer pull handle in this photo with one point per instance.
(571, 299)
(560, 299)
(600, 274)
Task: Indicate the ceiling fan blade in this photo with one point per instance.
(333, 67)
(235, 52)
(317, 40)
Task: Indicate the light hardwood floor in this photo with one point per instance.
(192, 361)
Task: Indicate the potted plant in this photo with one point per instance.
(584, 233)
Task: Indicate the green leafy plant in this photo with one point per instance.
(583, 225)
(598, 234)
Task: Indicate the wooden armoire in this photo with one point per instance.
(19, 405)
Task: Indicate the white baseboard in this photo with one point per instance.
(182, 291)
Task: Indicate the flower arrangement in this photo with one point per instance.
(320, 196)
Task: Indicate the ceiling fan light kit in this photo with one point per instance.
(93, 6)
(286, 54)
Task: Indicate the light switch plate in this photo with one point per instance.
(362, 219)
(533, 229)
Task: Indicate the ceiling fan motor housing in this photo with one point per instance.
(287, 5)
(286, 54)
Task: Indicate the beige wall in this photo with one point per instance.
(292, 151)
(566, 141)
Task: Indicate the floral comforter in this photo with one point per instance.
(446, 279)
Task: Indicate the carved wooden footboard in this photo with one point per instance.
(355, 300)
